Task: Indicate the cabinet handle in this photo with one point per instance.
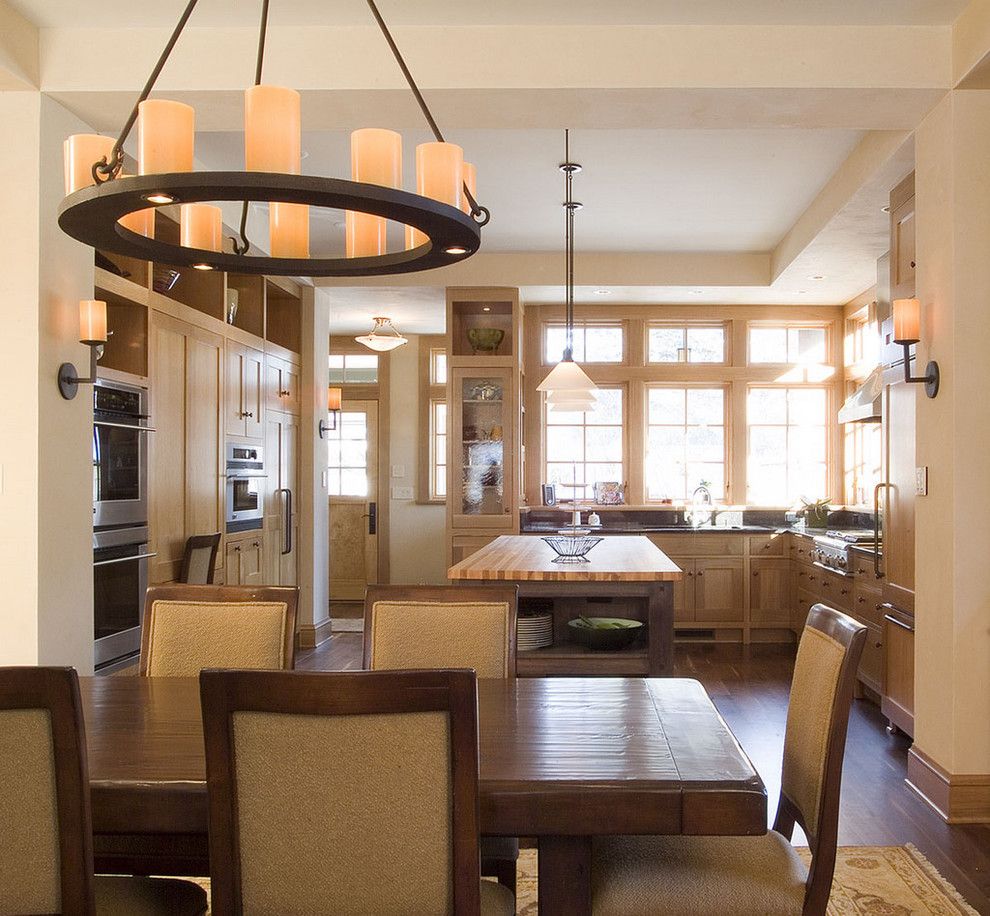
(247, 413)
(843, 591)
(913, 264)
(283, 394)
(256, 544)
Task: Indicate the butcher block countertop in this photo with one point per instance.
(522, 558)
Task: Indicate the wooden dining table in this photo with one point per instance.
(561, 760)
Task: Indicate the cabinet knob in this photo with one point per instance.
(913, 264)
(690, 573)
(878, 645)
(756, 572)
(878, 607)
(700, 573)
(238, 548)
(861, 599)
(283, 394)
(256, 544)
(843, 591)
(248, 413)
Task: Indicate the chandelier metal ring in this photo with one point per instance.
(90, 216)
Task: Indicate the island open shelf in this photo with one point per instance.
(629, 572)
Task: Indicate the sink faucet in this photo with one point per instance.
(701, 496)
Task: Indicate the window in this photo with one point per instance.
(438, 366)
(348, 454)
(685, 442)
(787, 344)
(686, 344)
(788, 445)
(593, 343)
(863, 456)
(438, 449)
(862, 345)
(585, 448)
(353, 369)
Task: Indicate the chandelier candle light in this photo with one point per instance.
(110, 211)
(567, 386)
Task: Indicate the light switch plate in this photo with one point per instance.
(921, 481)
(402, 492)
(398, 470)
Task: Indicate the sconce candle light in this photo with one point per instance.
(333, 406)
(907, 331)
(93, 333)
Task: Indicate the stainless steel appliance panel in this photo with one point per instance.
(245, 487)
(120, 580)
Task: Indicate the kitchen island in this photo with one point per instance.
(625, 576)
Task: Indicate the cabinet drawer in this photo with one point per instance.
(871, 663)
(801, 548)
(836, 591)
(866, 606)
(718, 545)
(674, 545)
(802, 607)
(767, 545)
(865, 574)
(807, 577)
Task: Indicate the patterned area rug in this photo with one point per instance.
(869, 881)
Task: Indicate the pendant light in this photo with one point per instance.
(568, 386)
(379, 337)
(443, 219)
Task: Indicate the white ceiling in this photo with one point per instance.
(72, 13)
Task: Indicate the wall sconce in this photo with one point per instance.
(907, 331)
(93, 333)
(333, 405)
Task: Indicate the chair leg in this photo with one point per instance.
(503, 870)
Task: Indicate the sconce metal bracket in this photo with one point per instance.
(931, 377)
(329, 427)
(68, 375)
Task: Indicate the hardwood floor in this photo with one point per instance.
(750, 687)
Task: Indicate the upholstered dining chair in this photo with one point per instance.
(732, 876)
(191, 627)
(199, 560)
(46, 840)
(385, 767)
(437, 626)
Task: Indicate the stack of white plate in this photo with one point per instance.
(534, 631)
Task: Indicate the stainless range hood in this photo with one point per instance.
(864, 405)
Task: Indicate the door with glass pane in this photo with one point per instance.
(352, 465)
(480, 457)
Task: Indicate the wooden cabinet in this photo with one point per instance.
(463, 545)
(870, 670)
(718, 590)
(281, 498)
(902, 240)
(770, 592)
(897, 703)
(244, 560)
(186, 487)
(244, 403)
(281, 385)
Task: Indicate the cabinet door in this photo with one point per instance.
(290, 397)
(718, 590)
(898, 509)
(871, 663)
(770, 593)
(232, 562)
(273, 383)
(204, 391)
(253, 367)
(802, 607)
(684, 594)
(897, 703)
(234, 408)
(902, 260)
(288, 547)
(251, 559)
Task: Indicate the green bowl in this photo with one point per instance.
(610, 633)
(485, 339)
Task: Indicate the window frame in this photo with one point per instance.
(431, 392)
(726, 388)
(672, 324)
(787, 325)
(582, 324)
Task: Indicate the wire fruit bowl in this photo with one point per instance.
(571, 548)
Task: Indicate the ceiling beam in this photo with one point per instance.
(19, 56)
(971, 47)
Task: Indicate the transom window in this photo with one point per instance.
(686, 344)
(788, 445)
(593, 343)
(787, 344)
(583, 449)
(438, 366)
(685, 442)
(353, 369)
(347, 461)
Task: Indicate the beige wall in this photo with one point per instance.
(416, 531)
(952, 687)
(46, 490)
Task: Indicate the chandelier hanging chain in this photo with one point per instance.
(244, 245)
(481, 215)
(109, 166)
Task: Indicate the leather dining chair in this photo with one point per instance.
(383, 764)
(732, 876)
(199, 559)
(436, 626)
(191, 627)
(46, 840)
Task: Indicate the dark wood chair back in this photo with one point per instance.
(199, 561)
(190, 627)
(386, 766)
(48, 864)
(815, 741)
(402, 624)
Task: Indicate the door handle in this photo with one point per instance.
(372, 516)
(877, 571)
(286, 520)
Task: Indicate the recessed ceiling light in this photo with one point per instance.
(697, 292)
(816, 277)
(486, 308)
(801, 292)
(603, 292)
(202, 267)
(159, 197)
(455, 249)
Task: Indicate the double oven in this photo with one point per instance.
(121, 425)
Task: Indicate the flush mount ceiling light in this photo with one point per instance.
(110, 211)
(567, 379)
(382, 342)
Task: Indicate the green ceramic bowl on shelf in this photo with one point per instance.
(604, 632)
(486, 340)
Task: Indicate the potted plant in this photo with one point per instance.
(816, 512)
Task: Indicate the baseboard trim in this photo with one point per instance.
(312, 635)
(957, 798)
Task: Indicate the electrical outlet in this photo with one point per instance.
(921, 481)
(398, 470)
(402, 492)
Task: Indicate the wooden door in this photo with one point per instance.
(770, 592)
(281, 385)
(354, 500)
(718, 590)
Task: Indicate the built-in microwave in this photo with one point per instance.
(245, 487)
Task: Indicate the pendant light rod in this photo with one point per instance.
(480, 214)
(570, 205)
(104, 170)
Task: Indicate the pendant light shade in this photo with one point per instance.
(376, 158)
(567, 375)
(272, 125)
(379, 341)
(288, 227)
(165, 137)
(201, 226)
(440, 176)
(80, 151)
